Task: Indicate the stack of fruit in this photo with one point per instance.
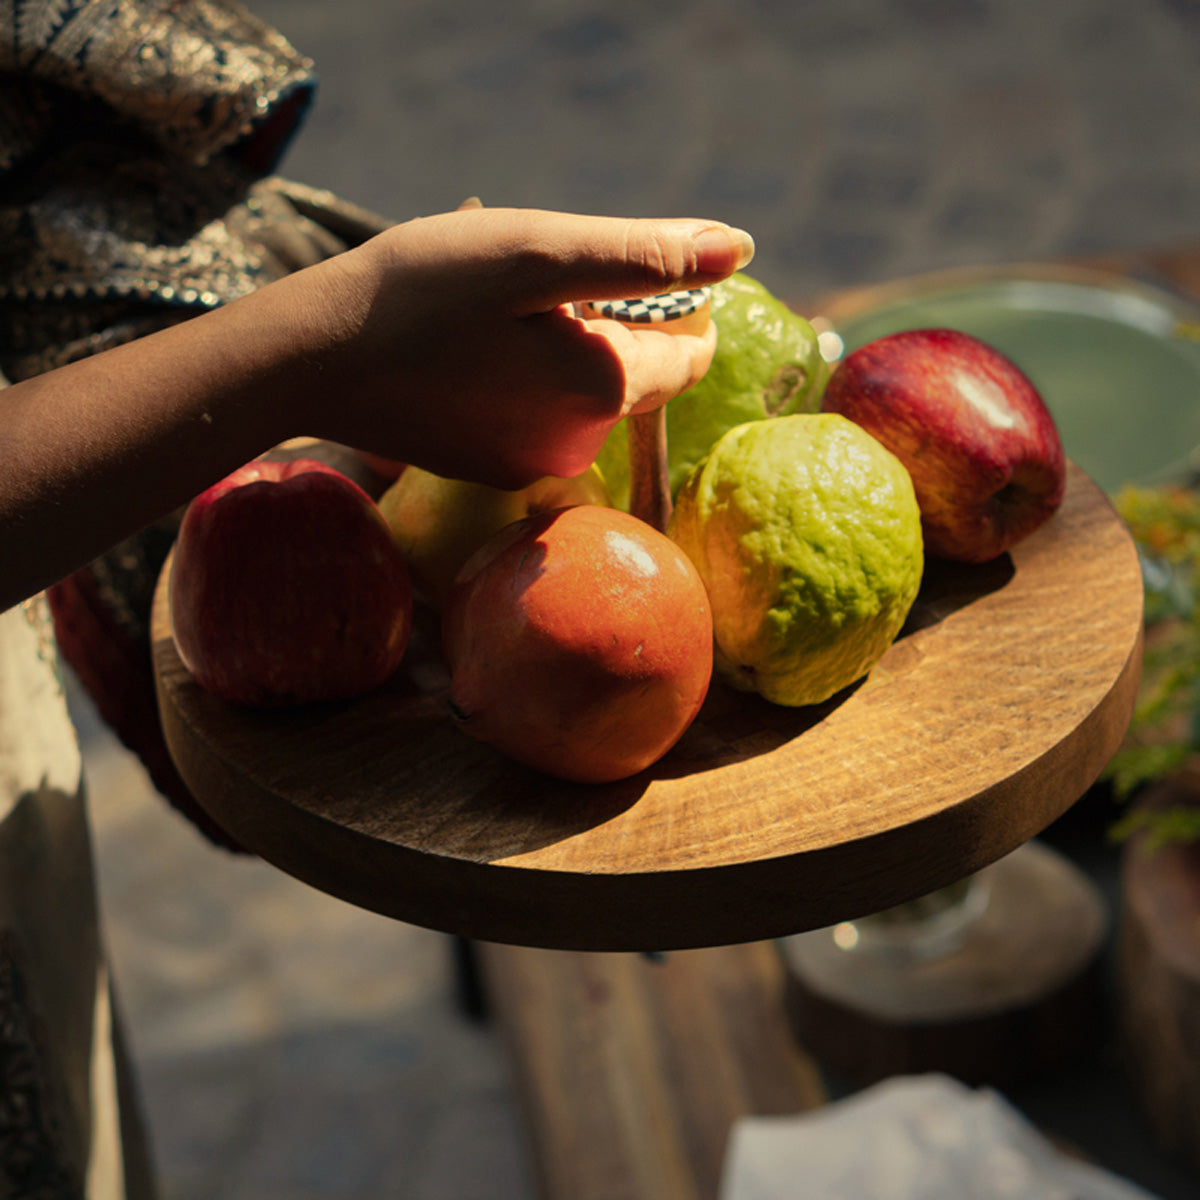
(579, 639)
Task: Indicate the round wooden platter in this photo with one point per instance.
(999, 704)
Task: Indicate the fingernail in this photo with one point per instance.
(721, 249)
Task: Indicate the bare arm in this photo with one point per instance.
(441, 342)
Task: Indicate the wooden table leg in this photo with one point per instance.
(631, 1071)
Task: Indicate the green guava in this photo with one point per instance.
(807, 534)
(767, 364)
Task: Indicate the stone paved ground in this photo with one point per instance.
(293, 1048)
(856, 139)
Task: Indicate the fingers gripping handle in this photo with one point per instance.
(649, 474)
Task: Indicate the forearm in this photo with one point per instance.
(98, 449)
(443, 342)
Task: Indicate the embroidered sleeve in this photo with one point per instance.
(196, 78)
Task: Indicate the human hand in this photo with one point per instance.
(455, 346)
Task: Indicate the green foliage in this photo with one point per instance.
(1165, 730)
(1136, 765)
(1165, 827)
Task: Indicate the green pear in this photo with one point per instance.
(768, 364)
(439, 523)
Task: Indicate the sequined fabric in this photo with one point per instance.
(135, 139)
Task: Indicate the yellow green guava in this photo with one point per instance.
(807, 534)
(767, 364)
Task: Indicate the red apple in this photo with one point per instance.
(579, 642)
(287, 588)
(983, 451)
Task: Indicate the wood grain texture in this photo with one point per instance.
(996, 708)
(649, 473)
(631, 1073)
(1158, 979)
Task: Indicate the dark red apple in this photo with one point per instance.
(983, 451)
(287, 588)
(579, 642)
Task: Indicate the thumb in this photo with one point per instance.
(609, 258)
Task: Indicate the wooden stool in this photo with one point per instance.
(1159, 977)
(1010, 993)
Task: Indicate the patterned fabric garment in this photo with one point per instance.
(133, 141)
(137, 139)
(70, 1126)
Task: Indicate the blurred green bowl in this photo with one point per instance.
(1112, 359)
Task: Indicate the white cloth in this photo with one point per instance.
(65, 1102)
(924, 1137)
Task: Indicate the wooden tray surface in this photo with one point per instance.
(996, 708)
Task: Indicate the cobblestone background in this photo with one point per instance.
(293, 1048)
(855, 139)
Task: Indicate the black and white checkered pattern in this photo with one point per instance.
(652, 310)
